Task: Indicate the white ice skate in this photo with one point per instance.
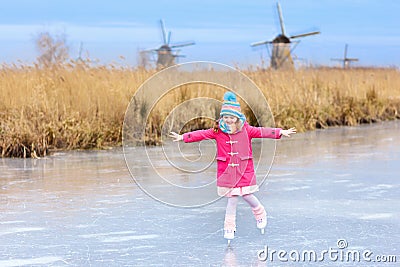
(261, 217)
(229, 235)
(262, 223)
(229, 227)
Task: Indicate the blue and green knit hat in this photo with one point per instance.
(230, 107)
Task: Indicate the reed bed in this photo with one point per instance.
(319, 98)
(80, 107)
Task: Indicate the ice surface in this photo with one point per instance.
(84, 209)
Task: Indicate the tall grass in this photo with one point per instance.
(318, 98)
(73, 107)
(79, 107)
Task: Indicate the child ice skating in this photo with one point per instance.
(235, 168)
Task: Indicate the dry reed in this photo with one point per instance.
(79, 107)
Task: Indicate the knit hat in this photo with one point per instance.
(230, 107)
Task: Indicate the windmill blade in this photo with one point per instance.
(281, 18)
(261, 43)
(182, 44)
(150, 50)
(304, 34)
(345, 54)
(164, 33)
(169, 38)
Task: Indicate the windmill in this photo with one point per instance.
(281, 46)
(346, 61)
(80, 59)
(167, 52)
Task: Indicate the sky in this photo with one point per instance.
(114, 31)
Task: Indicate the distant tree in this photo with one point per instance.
(53, 50)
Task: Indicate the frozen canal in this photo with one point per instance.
(335, 192)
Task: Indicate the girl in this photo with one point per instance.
(235, 168)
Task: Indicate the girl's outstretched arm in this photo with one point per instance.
(176, 137)
(288, 132)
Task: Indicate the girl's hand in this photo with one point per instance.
(175, 136)
(288, 132)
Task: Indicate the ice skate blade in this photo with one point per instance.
(262, 231)
(229, 242)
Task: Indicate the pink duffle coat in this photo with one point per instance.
(235, 166)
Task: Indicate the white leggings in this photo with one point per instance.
(251, 199)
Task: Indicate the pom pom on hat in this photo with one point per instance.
(229, 96)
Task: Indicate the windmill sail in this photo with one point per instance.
(304, 34)
(164, 32)
(281, 19)
(260, 43)
(182, 44)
